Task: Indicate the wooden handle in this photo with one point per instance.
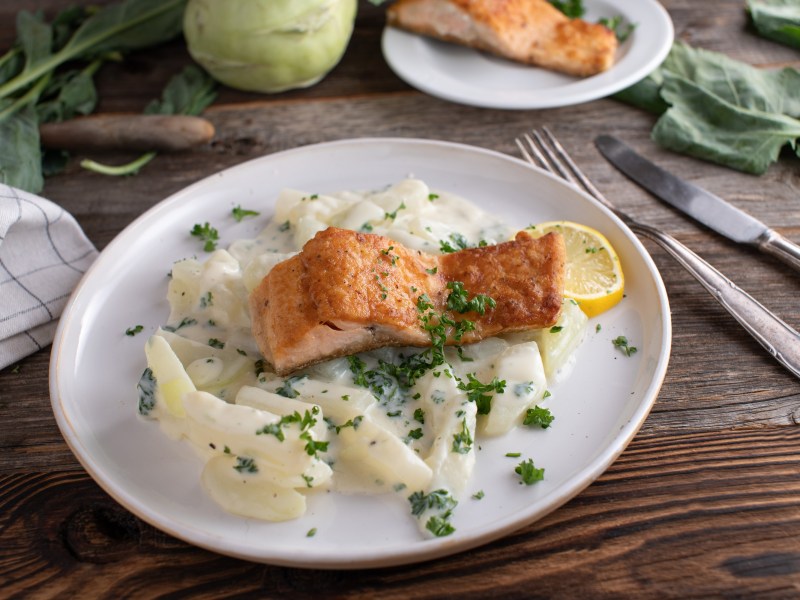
(167, 133)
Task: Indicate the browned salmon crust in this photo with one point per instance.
(348, 292)
(528, 31)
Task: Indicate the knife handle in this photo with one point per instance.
(775, 244)
(778, 338)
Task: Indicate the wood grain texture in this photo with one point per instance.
(705, 502)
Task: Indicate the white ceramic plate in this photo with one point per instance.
(472, 77)
(95, 366)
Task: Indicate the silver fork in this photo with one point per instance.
(542, 149)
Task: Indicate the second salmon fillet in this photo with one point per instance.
(348, 292)
(526, 31)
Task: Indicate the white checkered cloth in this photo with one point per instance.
(43, 254)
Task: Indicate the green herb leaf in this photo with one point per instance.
(528, 472)
(621, 342)
(778, 20)
(479, 392)
(538, 416)
(245, 465)
(207, 234)
(147, 392)
(240, 213)
(572, 8)
(131, 331)
(462, 440)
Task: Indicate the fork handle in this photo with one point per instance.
(778, 338)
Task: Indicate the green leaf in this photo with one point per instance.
(35, 37)
(737, 83)
(778, 20)
(73, 94)
(20, 159)
(719, 109)
(121, 27)
(188, 93)
(126, 26)
(11, 64)
(705, 126)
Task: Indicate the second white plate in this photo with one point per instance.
(468, 76)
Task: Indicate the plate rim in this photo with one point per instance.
(436, 548)
(399, 64)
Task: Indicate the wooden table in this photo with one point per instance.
(705, 502)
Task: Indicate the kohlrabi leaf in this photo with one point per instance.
(719, 109)
(777, 20)
(188, 93)
(701, 124)
(20, 159)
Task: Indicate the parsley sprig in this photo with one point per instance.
(240, 213)
(207, 234)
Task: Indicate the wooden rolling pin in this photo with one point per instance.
(164, 133)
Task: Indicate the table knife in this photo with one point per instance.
(703, 206)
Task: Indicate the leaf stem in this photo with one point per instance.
(30, 96)
(130, 168)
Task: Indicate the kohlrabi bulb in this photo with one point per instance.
(268, 45)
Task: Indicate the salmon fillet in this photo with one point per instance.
(527, 31)
(348, 292)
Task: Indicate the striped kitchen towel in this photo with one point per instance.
(43, 254)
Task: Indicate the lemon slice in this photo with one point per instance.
(593, 275)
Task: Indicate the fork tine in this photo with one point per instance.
(552, 156)
(559, 154)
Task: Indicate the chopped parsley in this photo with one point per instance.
(478, 495)
(437, 500)
(621, 342)
(439, 526)
(462, 441)
(311, 532)
(538, 416)
(285, 226)
(415, 434)
(215, 343)
(478, 392)
(619, 26)
(355, 423)
(185, 322)
(147, 392)
(393, 215)
(528, 473)
(206, 300)
(457, 300)
(245, 465)
(556, 328)
(240, 213)
(445, 247)
(286, 390)
(574, 9)
(419, 416)
(132, 331)
(207, 234)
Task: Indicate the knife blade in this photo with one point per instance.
(703, 206)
